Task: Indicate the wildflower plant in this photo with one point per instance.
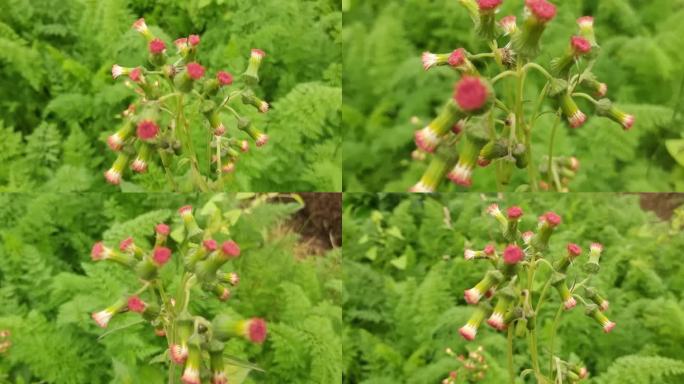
(169, 86)
(194, 342)
(484, 124)
(508, 299)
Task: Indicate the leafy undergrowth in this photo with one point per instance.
(59, 103)
(385, 85)
(404, 278)
(49, 286)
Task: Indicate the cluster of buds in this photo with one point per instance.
(569, 372)
(562, 172)
(506, 301)
(187, 335)
(476, 127)
(152, 124)
(5, 342)
(473, 367)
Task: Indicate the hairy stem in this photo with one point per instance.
(509, 355)
(551, 142)
(182, 123)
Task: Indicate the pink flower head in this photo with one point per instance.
(574, 250)
(541, 9)
(426, 139)
(482, 162)
(194, 40)
(147, 129)
(429, 60)
(228, 168)
(580, 45)
(225, 294)
(470, 93)
(462, 175)
(583, 373)
(421, 187)
(489, 249)
(162, 229)
(230, 248)
(496, 321)
(627, 122)
(608, 326)
(181, 43)
(234, 278)
(257, 330)
(139, 165)
(596, 247)
(508, 24)
(262, 140)
(126, 244)
(513, 254)
(113, 176)
(135, 304)
(135, 74)
(570, 303)
(527, 236)
(577, 119)
(244, 146)
(602, 89)
(457, 57)
(220, 130)
(178, 353)
(210, 245)
(117, 71)
(157, 46)
(488, 5)
(468, 332)
(99, 251)
(469, 254)
(140, 25)
(574, 163)
(161, 255)
(585, 22)
(185, 210)
(264, 107)
(472, 295)
(493, 210)
(258, 53)
(515, 212)
(195, 70)
(551, 219)
(224, 78)
(102, 318)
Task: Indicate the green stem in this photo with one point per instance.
(551, 142)
(509, 354)
(503, 75)
(585, 96)
(167, 170)
(182, 123)
(552, 339)
(539, 69)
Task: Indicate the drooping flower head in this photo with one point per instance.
(100, 251)
(140, 26)
(181, 44)
(256, 330)
(574, 250)
(126, 244)
(113, 174)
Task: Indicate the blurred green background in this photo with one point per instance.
(58, 102)
(404, 277)
(385, 85)
(49, 286)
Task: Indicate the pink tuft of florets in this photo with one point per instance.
(552, 219)
(230, 248)
(99, 251)
(125, 244)
(508, 24)
(429, 60)
(135, 74)
(162, 229)
(585, 21)
(258, 53)
(117, 71)
(257, 330)
(194, 40)
(608, 326)
(102, 318)
(157, 46)
(140, 25)
(113, 176)
(515, 212)
(541, 9)
(513, 254)
(578, 119)
(225, 294)
(489, 249)
(468, 332)
(574, 249)
(181, 43)
(210, 245)
(161, 255)
(470, 93)
(580, 45)
(472, 296)
(147, 129)
(224, 78)
(262, 140)
(457, 57)
(135, 304)
(527, 236)
(178, 353)
(628, 122)
(487, 5)
(195, 70)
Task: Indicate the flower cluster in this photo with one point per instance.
(5, 342)
(188, 336)
(477, 126)
(503, 297)
(153, 124)
(473, 367)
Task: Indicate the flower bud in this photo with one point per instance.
(505, 299)
(142, 28)
(494, 211)
(586, 29)
(508, 25)
(182, 46)
(547, 223)
(462, 172)
(216, 364)
(573, 251)
(558, 281)
(606, 108)
(113, 174)
(249, 98)
(193, 72)
(473, 95)
(514, 215)
(231, 278)
(488, 253)
(102, 252)
(162, 233)
(593, 311)
(512, 256)
(491, 279)
(147, 130)
(527, 237)
(592, 265)
(469, 331)
(599, 89)
(259, 137)
(191, 227)
(253, 330)
(191, 372)
(118, 70)
(199, 253)
(429, 137)
(206, 270)
(142, 159)
(493, 150)
(184, 328)
(103, 317)
(444, 159)
(219, 290)
(149, 311)
(128, 246)
(571, 111)
(562, 65)
(486, 25)
(593, 295)
(148, 268)
(251, 74)
(526, 39)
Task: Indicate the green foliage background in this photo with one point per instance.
(404, 277)
(58, 102)
(49, 286)
(384, 85)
